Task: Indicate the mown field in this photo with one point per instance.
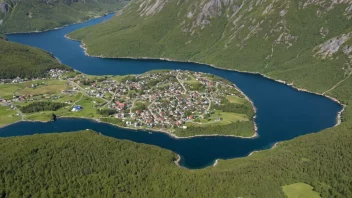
(300, 190)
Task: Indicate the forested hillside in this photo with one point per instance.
(17, 60)
(34, 15)
(98, 166)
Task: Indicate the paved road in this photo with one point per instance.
(181, 83)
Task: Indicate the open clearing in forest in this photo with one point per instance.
(300, 190)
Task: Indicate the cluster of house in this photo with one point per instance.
(56, 73)
(4, 102)
(32, 83)
(159, 99)
(28, 98)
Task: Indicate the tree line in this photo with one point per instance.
(42, 106)
(25, 62)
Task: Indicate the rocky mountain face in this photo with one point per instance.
(245, 14)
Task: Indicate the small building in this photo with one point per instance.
(77, 108)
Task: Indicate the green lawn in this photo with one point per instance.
(88, 111)
(226, 118)
(49, 87)
(300, 190)
(8, 116)
(236, 99)
(40, 116)
(45, 87)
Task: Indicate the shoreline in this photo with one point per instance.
(60, 27)
(177, 162)
(216, 161)
(135, 129)
(163, 131)
(257, 151)
(143, 130)
(338, 118)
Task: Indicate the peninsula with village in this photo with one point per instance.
(180, 103)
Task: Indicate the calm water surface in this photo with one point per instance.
(283, 113)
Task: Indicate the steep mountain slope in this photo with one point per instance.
(39, 15)
(280, 38)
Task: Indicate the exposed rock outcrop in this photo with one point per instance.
(150, 7)
(211, 9)
(332, 46)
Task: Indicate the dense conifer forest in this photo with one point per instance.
(25, 62)
(42, 106)
(86, 164)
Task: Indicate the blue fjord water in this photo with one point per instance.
(282, 112)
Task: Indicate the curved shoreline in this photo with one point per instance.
(60, 27)
(177, 162)
(136, 129)
(338, 118)
(162, 131)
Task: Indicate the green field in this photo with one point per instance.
(44, 87)
(8, 116)
(300, 190)
(235, 99)
(43, 116)
(225, 118)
